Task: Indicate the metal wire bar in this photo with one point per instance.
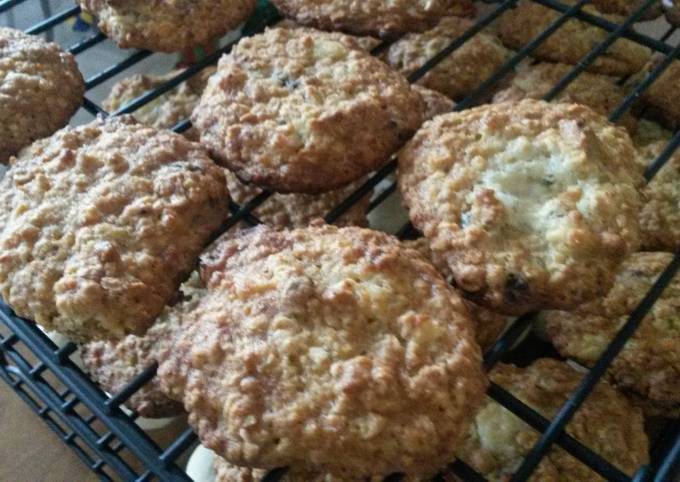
(133, 386)
(70, 419)
(566, 441)
(653, 169)
(115, 69)
(7, 4)
(595, 53)
(87, 43)
(570, 407)
(54, 20)
(604, 24)
(72, 377)
(633, 96)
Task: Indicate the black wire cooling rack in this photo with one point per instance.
(109, 441)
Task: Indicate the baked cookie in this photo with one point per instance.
(599, 92)
(167, 110)
(660, 214)
(648, 368)
(663, 95)
(226, 472)
(366, 42)
(462, 71)
(499, 440)
(40, 89)
(489, 325)
(530, 204)
(625, 8)
(114, 364)
(299, 210)
(297, 110)
(326, 349)
(167, 26)
(672, 11)
(301, 111)
(435, 102)
(572, 41)
(373, 17)
(99, 223)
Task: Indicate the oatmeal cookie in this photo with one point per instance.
(366, 42)
(599, 92)
(660, 214)
(499, 440)
(226, 472)
(167, 25)
(326, 349)
(649, 365)
(489, 325)
(373, 17)
(530, 204)
(301, 111)
(572, 41)
(435, 102)
(664, 94)
(99, 224)
(114, 364)
(40, 89)
(165, 111)
(461, 72)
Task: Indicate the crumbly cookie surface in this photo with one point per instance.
(40, 89)
(297, 110)
(660, 214)
(649, 365)
(99, 223)
(114, 364)
(299, 210)
(435, 102)
(572, 41)
(488, 324)
(167, 110)
(226, 472)
(599, 92)
(499, 440)
(462, 71)
(167, 25)
(530, 204)
(372, 17)
(327, 349)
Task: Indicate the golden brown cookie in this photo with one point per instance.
(99, 224)
(489, 325)
(530, 204)
(572, 41)
(663, 96)
(500, 440)
(226, 472)
(372, 17)
(435, 102)
(326, 349)
(459, 73)
(649, 365)
(599, 92)
(40, 89)
(660, 214)
(299, 210)
(167, 25)
(366, 42)
(167, 110)
(304, 111)
(114, 364)
(625, 8)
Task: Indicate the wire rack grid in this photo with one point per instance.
(107, 439)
